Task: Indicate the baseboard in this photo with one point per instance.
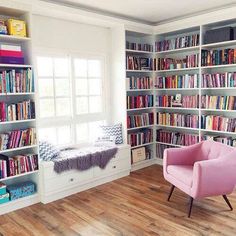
(53, 196)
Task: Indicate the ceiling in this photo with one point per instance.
(148, 11)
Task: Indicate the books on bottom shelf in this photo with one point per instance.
(17, 138)
(16, 165)
(218, 123)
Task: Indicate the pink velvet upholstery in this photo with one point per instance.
(201, 170)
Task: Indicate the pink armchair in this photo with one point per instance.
(201, 170)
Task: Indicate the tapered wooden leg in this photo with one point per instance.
(190, 207)
(171, 191)
(227, 201)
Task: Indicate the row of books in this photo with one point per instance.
(140, 63)
(219, 80)
(177, 81)
(18, 164)
(139, 46)
(160, 148)
(139, 82)
(139, 101)
(171, 63)
(176, 43)
(177, 138)
(225, 140)
(139, 138)
(176, 119)
(143, 119)
(177, 101)
(218, 102)
(19, 111)
(218, 57)
(17, 138)
(17, 81)
(219, 123)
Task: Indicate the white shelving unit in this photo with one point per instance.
(179, 53)
(26, 45)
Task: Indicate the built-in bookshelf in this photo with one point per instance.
(18, 131)
(193, 85)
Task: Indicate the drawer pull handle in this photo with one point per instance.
(114, 167)
(72, 179)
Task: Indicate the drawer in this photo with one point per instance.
(112, 168)
(122, 153)
(67, 180)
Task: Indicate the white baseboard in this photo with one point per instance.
(53, 196)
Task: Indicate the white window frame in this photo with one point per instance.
(74, 118)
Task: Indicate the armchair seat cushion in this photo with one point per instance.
(183, 173)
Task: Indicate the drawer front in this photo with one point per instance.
(112, 167)
(122, 153)
(66, 181)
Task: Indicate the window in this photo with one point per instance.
(71, 98)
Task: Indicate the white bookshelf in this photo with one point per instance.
(180, 53)
(12, 98)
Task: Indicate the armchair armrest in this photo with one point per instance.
(214, 177)
(181, 156)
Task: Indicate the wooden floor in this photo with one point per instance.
(134, 205)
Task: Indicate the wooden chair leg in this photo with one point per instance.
(171, 191)
(227, 201)
(190, 207)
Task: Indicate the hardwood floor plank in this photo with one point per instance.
(132, 206)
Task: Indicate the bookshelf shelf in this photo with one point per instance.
(179, 50)
(176, 127)
(15, 66)
(142, 145)
(178, 108)
(220, 88)
(17, 149)
(138, 90)
(218, 110)
(219, 66)
(16, 94)
(20, 175)
(17, 121)
(178, 89)
(140, 127)
(140, 71)
(170, 144)
(176, 70)
(15, 39)
(138, 51)
(140, 109)
(219, 44)
(217, 131)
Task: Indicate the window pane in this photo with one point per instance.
(63, 107)
(61, 67)
(46, 108)
(94, 87)
(80, 67)
(82, 105)
(45, 66)
(95, 104)
(94, 68)
(82, 132)
(48, 134)
(62, 87)
(45, 87)
(81, 86)
(64, 135)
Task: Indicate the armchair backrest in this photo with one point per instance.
(213, 150)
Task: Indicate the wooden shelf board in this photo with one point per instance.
(142, 145)
(17, 149)
(15, 66)
(178, 50)
(138, 51)
(177, 127)
(20, 175)
(140, 127)
(139, 109)
(17, 94)
(16, 121)
(12, 38)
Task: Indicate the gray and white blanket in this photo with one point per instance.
(84, 158)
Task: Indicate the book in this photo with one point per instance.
(141, 137)
(139, 120)
(139, 46)
(140, 101)
(139, 82)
